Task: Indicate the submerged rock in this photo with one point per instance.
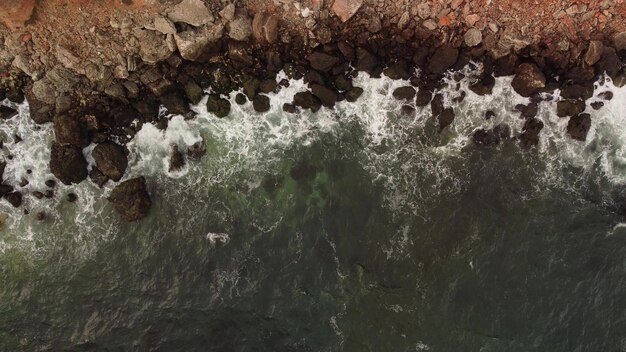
(15, 198)
(445, 118)
(528, 80)
(131, 199)
(67, 163)
(530, 134)
(177, 159)
(111, 160)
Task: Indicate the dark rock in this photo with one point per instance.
(436, 105)
(261, 103)
(609, 62)
(23, 183)
(193, 91)
(72, 197)
(342, 83)
(51, 183)
(404, 93)
(38, 195)
(40, 112)
(423, 97)
(597, 105)
(578, 126)
(68, 164)
(444, 58)
(313, 77)
(4, 189)
(529, 110)
(124, 116)
(365, 61)
(218, 106)
(49, 194)
(489, 115)
(290, 108)
(196, 150)
(353, 94)
(483, 138)
(306, 100)
(175, 103)
(445, 118)
(530, 134)
(322, 62)
(68, 131)
(111, 160)
(268, 86)
(98, 177)
(569, 107)
(528, 80)
(578, 91)
(398, 70)
(7, 112)
(502, 132)
(459, 98)
(251, 87)
(484, 86)
(327, 96)
(420, 57)
(131, 199)
(346, 50)
(240, 99)
(147, 108)
(608, 95)
(177, 159)
(41, 216)
(15, 198)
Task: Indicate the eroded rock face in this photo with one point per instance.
(111, 160)
(68, 164)
(345, 9)
(131, 199)
(528, 80)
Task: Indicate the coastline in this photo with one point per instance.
(100, 81)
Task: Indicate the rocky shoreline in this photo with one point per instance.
(100, 89)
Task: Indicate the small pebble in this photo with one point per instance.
(49, 194)
(51, 183)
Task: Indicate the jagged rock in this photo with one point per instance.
(152, 46)
(578, 126)
(528, 80)
(345, 9)
(194, 92)
(218, 106)
(261, 103)
(40, 112)
(619, 41)
(192, 44)
(7, 112)
(67, 163)
(445, 118)
(578, 91)
(365, 61)
(228, 12)
(530, 134)
(322, 62)
(404, 93)
(163, 25)
(193, 12)
(484, 86)
(569, 107)
(594, 52)
(68, 131)
(110, 159)
(444, 58)
(327, 96)
(240, 28)
(131, 199)
(473, 37)
(177, 159)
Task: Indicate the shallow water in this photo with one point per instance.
(354, 229)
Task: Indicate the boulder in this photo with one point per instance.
(218, 106)
(69, 131)
(307, 100)
(578, 126)
(404, 93)
(14, 198)
(322, 62)
(528, 80)
(609, 62)
(570, 107)
(194, 92)
(110, 159)
(345, 9)
(445, 118)
(131, 199)
(175, 103)
(484, 86)
(444, 58)
(530, 134)
(365, 61)
(327, 96)
(97, 177)
(193, 12)
(594, 52)
(152, 46)
(177, 159)
(353, 94)
(261, 103)
(192, 44)
(578, 91)
(268, 86)
(67, 163)
(423, 97)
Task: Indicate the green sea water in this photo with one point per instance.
(357, 229)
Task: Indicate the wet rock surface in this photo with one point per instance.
(131, 199)
(67, 163)
(110, 159)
